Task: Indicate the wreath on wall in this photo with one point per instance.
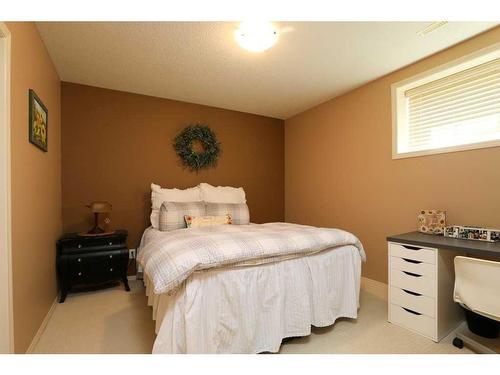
(205, 154)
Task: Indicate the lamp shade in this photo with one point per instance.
(100, 207)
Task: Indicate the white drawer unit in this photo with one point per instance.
(420, 290)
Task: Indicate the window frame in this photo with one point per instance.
(398, 101)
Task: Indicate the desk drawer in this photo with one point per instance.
(419, 303)
(418, 284)
(412, 253)
(419, 323)
(414, 266)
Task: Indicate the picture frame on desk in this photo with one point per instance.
(472, 233)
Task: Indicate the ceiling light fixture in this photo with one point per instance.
(256, 36)
(432, 27)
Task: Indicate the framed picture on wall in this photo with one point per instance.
(38, 122)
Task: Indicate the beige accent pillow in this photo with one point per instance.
(207, 221)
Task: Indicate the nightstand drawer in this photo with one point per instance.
(414, 283)
(411, 320)
(97, 266)
(107, 257)
(412, 253)
(413, 266)
(99, 274)
(73, 243)
(81, 248)
(414, 301)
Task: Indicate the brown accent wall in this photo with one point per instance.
(339, 171)
(116, 143)
(36, 185)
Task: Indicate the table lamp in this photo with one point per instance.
(98, 208)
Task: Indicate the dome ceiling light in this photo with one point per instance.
(256, 36)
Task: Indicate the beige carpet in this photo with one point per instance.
(113, 321)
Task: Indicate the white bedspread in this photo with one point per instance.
(171, 258)
(251, 309)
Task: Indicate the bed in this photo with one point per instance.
(244, 288)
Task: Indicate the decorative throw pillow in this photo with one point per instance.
(206, 221)
(221, 194)
(238, 211)
(172, 214)
(160, 195)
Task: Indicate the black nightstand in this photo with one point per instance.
(91, 261)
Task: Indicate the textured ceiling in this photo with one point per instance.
(200, 62)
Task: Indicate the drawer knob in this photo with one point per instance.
(79, 259)
(79, 246)
(111, 256)
(111, 243)
(79, 274)
(111, 270)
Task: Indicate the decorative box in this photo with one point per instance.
(432, 221)
(472, 233)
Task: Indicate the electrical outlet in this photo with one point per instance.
(131, 253)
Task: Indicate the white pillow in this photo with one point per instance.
(160, 195)
(222, 194)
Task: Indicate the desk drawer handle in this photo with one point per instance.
(79, 274)
(412, 274)
(79, 259)
(411, 247)
(79, 246)
(110, 270)
(111, 243)
(411, 261)
(411, 311)
(111, 256)
(412, 293)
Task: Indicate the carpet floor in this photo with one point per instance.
(113, 321)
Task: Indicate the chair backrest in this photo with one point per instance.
(477, 286)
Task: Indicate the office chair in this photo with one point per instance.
(477, 284)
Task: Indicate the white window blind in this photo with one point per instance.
(456, 109)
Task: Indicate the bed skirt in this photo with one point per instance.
(252, 309)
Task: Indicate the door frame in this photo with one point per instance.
(6, 308)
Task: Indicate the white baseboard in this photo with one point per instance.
(375, 287)
(132, 277)
(42, 327)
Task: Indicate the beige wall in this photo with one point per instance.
(36, 185)
(339, 171)
(115, 144)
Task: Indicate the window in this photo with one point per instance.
(451, 108)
